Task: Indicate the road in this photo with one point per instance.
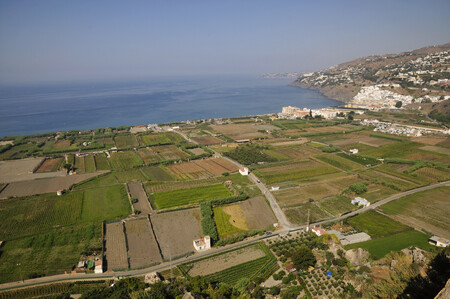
(286, 227)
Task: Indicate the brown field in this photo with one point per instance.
(288, 142)
(445, 143)
(326, 129)
(207, 140)
(217, 166)
(361, 138)
(197, 151)
(62, 143)
(50, 165)
(292, 197)
(226, 260)
(422, 156)
(239, 131)
(26, 188)
(187, 170)
(175, 231)
(161, 153)
(429, 140)
(142, 247)
(296, 152)
(258, 213)
(22, 170)
(437, 149)
(138, 192)
(115, 246)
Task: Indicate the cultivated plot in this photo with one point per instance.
(50, 165)
(187, 171)
(137, 191)
(217, 166)
(175, 231)
(142, 247)
(115, 246)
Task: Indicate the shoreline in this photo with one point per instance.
(334, 94)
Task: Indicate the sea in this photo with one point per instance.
(40, 108)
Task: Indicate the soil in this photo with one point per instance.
(258, 213)
(207, 140)
(115, 246)
(138, 192)
(428, 140)
(18, 170)
(49, 165)
(176, 231)
(188, 168)
(26, 188)
(142, 247)
(197, 151)
(225, 261)
(237, 217)
(216, 166)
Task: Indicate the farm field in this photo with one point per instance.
(207, 140)
(101, 162)
(113, 201)
(378, 248)
(168, 199)
(318, 190)
(216, 166)
(89, 164)
(339, 162)
(47, 253)
(239, 131)
(142, 247)
(161, 153)
(173, 235)
(26, 188)
(229, 220)
(406, 149)
(125, 160)
(137, 191)
(336, 205)
(258, 213)
(299, 214)
(427, 210)
(126, 141)
(79, 165)
(299, 152)
(161, 138)
(156, 173)
(50, 165)
(187, 171)
(197, 151)
(115, 246)
(18, 170)
(377, 225)
(437, 149)
(231, 266)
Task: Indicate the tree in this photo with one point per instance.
(303, 258)
(67, 166)
(399, 104)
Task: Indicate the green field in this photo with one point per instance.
(339, 162)
(181, 197)
(79, 165)
(399, 150)
(155, 173)
(89, 163)
(297, 175)
(378, 248)
(377, 225)
(126, 141)
(125, 160)
(47, 253)
(101, 162)
(161, 138)
(224, 227)
(299, 214)
(336, 205)
(263, 266)
(113, 201)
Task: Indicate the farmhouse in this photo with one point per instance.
(319, 231)
(437, 241)
(353, 151)
(359, 201)
(202, 244)
(275, 188)
(243, 171)
(98, 266)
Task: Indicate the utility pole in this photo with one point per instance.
(307, 223)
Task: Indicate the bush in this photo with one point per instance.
(208, 225)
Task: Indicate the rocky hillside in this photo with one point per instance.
(420, 74)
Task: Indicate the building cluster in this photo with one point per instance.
(344, 239)
(402, 130)
(360, 202)
(374, 98)
(290, 112)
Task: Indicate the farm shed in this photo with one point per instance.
(437, 241)
(355, 238)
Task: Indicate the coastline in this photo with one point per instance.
(335, 93)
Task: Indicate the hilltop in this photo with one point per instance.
(419, 75)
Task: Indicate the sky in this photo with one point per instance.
(46, 41)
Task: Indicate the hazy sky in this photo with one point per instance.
(70, 40)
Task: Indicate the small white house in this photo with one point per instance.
(243, 171)
(353, 151)
(359, 201)
(318, 231)
(437, 241)
(275, 188)
(202, 244)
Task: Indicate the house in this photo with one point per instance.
(243, 171)
(319, 231)
(98, 266)
(359, 201)
(202, 244)
(274, 188)
(437, 241)
(59, 192)
(353, 151)
(290, 267)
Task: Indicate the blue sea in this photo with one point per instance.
(53, 107)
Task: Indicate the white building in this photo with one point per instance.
(318, 231)
(353, 151)
(275, 188)
(202, 244)
(98, 266)
(437, 241)
(243, 171)
(359, 201)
